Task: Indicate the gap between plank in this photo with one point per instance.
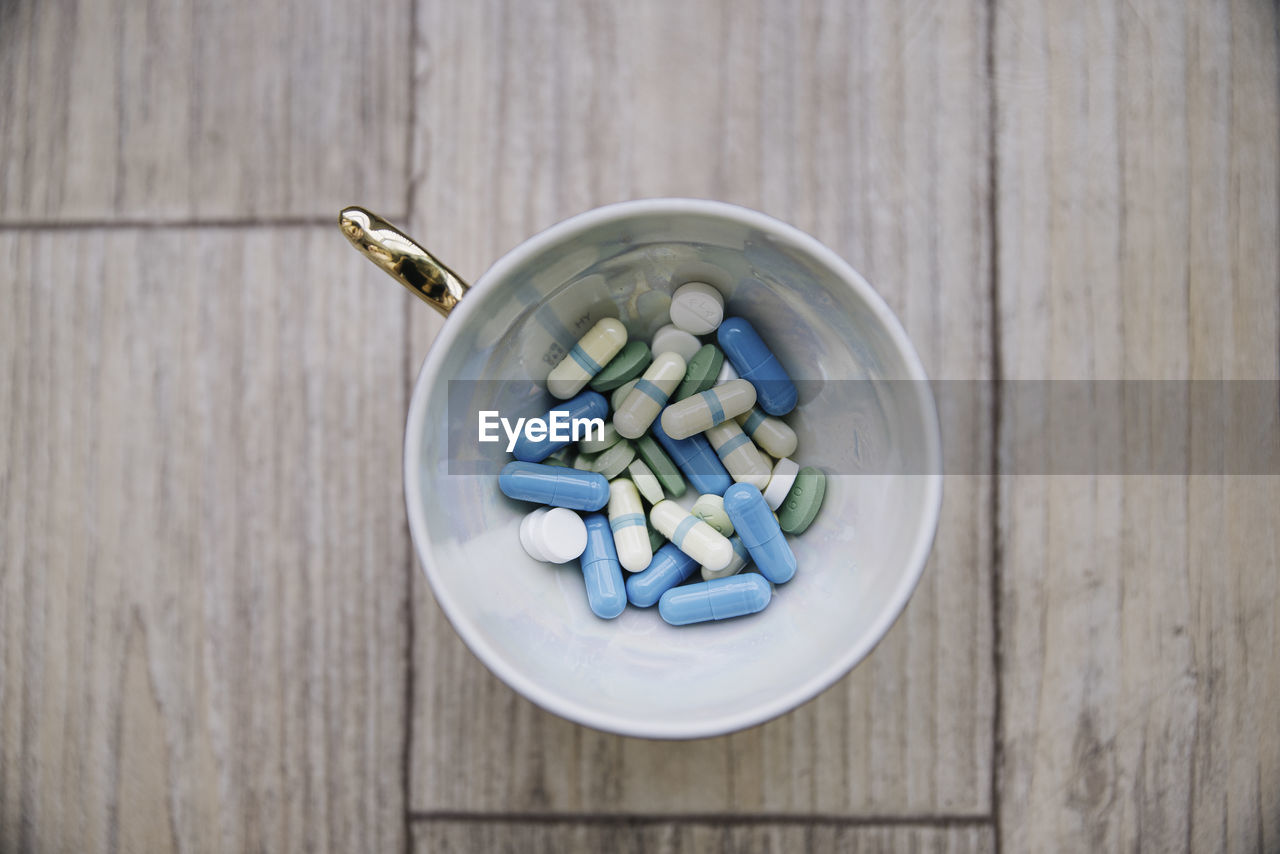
(718, 819)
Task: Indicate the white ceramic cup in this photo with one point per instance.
(858, 563)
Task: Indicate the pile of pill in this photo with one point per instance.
(682, 409)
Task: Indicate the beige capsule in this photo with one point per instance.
(739, 454)
(691, 535)
(626, 520)
(593, 350)
(699, 412)
(649, 395)
(769, 433)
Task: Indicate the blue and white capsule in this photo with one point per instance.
(606, 591)
(587, 358)
(754, 361)
(705, 410)
(719, 599)
(626, 519)
(755, 523)
(649, 395)
(741, 557)
(696, 459)
(669, 567)
(554, 485)
(589, 404)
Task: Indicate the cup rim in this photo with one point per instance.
(841, 665)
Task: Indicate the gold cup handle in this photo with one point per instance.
(402, 259)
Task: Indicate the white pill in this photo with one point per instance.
(669, 339)
(649, 395)
(646, 481)
(741, 557)
(741, 458)
(710, 509)
(553, 534)
(697, 308)
(697, 412)
(691, 535)
(593, 350)
(626, 520)
(771, 434)
(780, 482)
(726, 373)
(620, 394)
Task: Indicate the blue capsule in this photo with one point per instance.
(696, 459)
(606, 593)
(669, 567)
(589, 404)
(754, 361)
(554, 485)
(719, 599)
(753, 521)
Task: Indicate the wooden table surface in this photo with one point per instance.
(213, 634)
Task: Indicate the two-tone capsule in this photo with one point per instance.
(601, 572)
(741, 557)
(587, 358)
(739, 454)
(695, 458)
(754, 361)
(754, 522)
(650, 394)
(691, 535)
(719, 599)
(587, 405)
(706, 409)
(669, 567)
(771, 434)
(554, 485)
(626, 520)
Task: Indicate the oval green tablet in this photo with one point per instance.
(584, 462)
(802, 502)
(561, 457)
(594, 445)
(628, 364)
(701, 373)
(614, 461)
(661, 465)
(620, 394)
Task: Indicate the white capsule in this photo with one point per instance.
(701, 411)
(669, 339)
(726, 373)
(691, 535)
(626, 520)
(741, 557)
(593, 350)
(620, 394)
(553, 534)
(697, 308)
(646, 481)
(739, 454)
(710, 509)
(772, 434)
(649, 395)
(780, 482)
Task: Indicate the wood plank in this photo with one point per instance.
(667, 838)
(202, 602)
(1138, 240)
(857, 123)
(199, 110)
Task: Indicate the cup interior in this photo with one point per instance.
(875, 435)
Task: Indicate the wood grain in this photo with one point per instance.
(202, 603)
(1138, 232)
(201, 110)
(864, 124)
(439, 837)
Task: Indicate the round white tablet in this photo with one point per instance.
(669, 339)
(784, 475)
(561, 535)
(527, 540)
(697, 308)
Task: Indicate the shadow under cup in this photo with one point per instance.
(858, 562)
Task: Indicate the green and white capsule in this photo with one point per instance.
(626, 520)
(691, 535)
(707, 409)
(649, 395)
(587, 358)
(739, 454)
(772, 434)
